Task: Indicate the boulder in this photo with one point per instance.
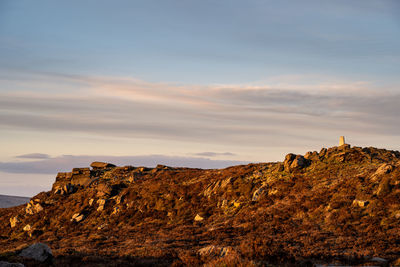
(293, 162)
(64, 190)
(32, 208)
(101, 203)
(39, 251)
(97, 165)
(77, 217)
(14, 221)
(27, 228)
(298, 162)
(104, 190)
(360, 203)
(198, 218)
(382, 170)
(214, 251)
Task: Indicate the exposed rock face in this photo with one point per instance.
(39, 251)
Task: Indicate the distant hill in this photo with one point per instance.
(340, 205)
(11, 201)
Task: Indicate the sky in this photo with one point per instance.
(204, 84)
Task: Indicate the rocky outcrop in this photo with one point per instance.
(295, 162)
(97, 165)
(33, 207)
(325, 203)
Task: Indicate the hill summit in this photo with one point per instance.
(338, 205)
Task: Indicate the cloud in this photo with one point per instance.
(214, 154)
(67, 162)
(33, 156)
(230, 115)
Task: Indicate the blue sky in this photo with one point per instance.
(226, 81)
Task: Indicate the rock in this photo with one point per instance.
(288, 161)
(10, 264)
(162, 167)
(78, 217)
(68, 188)
(322, 152)
(384, 187)
(360, 203)
(311, 155)
(27, 228)
(293, 162)
(258, 193)
(214, 251)
(198, 218)
(32, 208)
(384, 169)
(97, 165)
(119, 199)
(39, 251)
(101, 203)
(80, 176)
(14, 221)
(298, 163)
(104, 190)
(116, 210)
(227, 181)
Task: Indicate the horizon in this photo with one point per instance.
(193, 83)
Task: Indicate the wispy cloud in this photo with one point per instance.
(213, 154)
(220, 114)
(33, 156)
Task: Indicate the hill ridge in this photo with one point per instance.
(341, 204)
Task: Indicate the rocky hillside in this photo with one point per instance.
(339, 205)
